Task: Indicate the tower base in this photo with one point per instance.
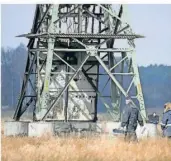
(56, 128)
(16, 128)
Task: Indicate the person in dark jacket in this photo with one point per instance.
(153, 119)
(130, 117)
(166, 121)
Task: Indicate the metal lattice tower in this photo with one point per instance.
(69, 47)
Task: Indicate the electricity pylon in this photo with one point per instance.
(69, 47)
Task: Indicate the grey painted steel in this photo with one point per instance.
(70, 42)
(56, 100)
(111, 76)
(64, 61)
(118, 63)
(139, 88)
(115, 95)
(45, 94)
(17, 113)
(93, 15)
(84, 50)
(66, 96)
(99, 94)
(112, 13)
(66, 14)
(93, 36)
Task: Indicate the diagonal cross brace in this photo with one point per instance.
(117, 83)
(30, 44)
(94, 16)
(24, 89)
(64, 89)
(118, 63)
(98, 93)
(67, 14)
(105, 68)
(64, 61)
(111, 76)
(111, 13)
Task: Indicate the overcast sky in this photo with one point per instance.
(153, 21)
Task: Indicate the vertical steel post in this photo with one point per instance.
(138, 87)
(80, 19)
(137, 82)
(115, 95)
(66, 94)
(51, 41)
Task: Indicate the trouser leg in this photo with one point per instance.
(134, 137)
(131, 137)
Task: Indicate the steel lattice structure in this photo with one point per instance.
(68, 44)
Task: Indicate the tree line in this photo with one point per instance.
(155, 79)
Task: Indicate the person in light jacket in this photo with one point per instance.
(166, 121)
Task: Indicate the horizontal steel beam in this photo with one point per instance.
(87, 73)
(83, 14)
(29, 96)
(54, 73)
(84, 50)
(89, 62)
(111, 73)
(83, 36)
(73, 91)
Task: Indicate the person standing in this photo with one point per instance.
(129, 119)
(166, 121)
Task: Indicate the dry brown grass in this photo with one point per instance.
(101, 148)
(83, 149)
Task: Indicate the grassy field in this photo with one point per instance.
(84, 149)
(101, 148)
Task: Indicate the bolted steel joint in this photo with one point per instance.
(91, 50)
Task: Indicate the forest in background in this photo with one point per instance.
(155, 79)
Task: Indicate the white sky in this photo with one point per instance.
(153, 21)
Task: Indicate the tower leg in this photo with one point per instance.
(45, 94)
(138, 87)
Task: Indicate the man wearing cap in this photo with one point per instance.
(166, 121)
(130, 117)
